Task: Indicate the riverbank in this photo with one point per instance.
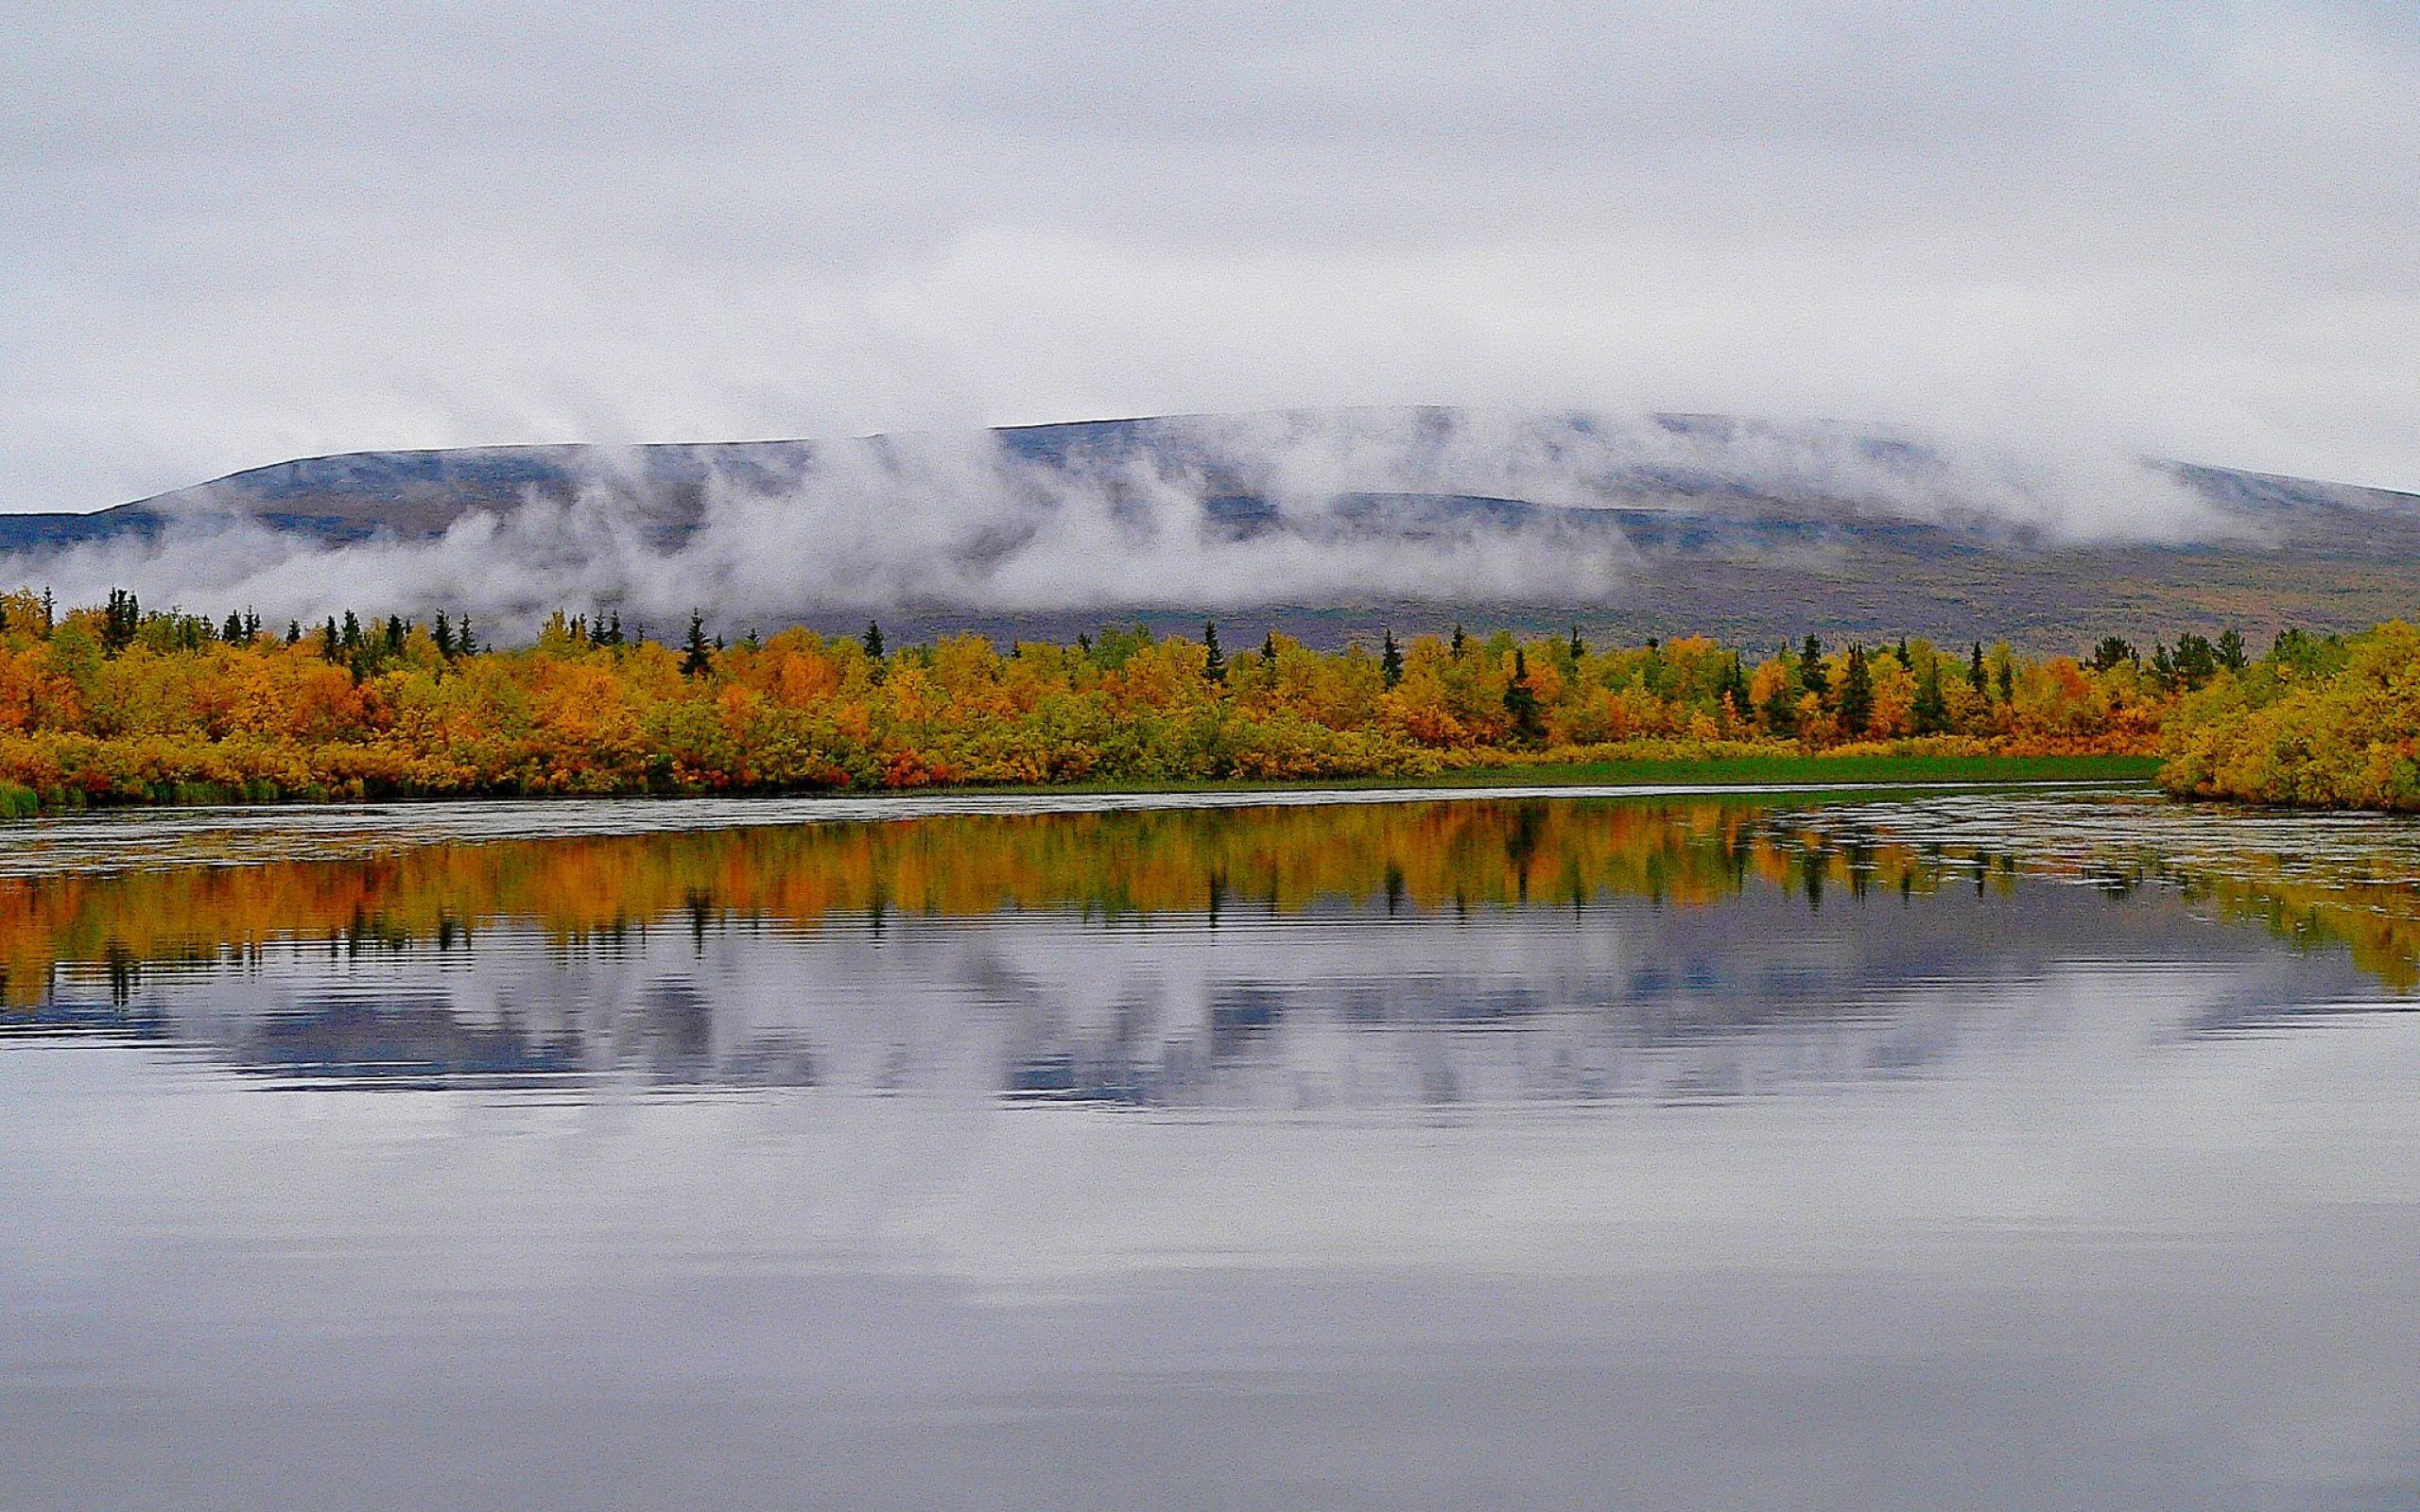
(1732, 769)
(1776, 770)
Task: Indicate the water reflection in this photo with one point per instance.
(1420, 954)
(1699, 1154)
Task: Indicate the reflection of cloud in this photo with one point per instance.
(1753, 997)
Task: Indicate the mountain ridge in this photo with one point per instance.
(1715, 523)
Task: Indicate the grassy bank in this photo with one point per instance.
(1788, 769)
(1778, 771)
(1764, 771)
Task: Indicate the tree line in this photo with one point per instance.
(117, 701)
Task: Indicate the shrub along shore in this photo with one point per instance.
(116, 704)
(2321, 721)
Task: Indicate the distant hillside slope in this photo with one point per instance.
(1753, 531)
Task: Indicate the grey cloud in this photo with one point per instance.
(255, 232)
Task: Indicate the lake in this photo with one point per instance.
(2056, 1148)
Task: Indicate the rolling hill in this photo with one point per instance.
(1754, 532)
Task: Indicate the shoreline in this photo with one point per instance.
(1755, 773)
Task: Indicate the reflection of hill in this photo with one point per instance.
(1334, 1005)
(1402, 952)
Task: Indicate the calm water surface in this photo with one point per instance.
(1937, 1150)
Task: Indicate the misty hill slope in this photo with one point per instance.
(1334, 520)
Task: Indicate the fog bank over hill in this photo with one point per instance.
(1330, 522)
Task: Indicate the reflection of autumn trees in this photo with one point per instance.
(116, 704)
(1422, 856)
(1426, 856)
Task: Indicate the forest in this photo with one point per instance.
(2321, 721)
(118, 703)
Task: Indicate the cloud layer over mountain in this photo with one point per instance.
(244, 233)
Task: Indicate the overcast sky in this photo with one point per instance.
(235, 233)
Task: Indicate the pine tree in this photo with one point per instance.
(2008, 679)
(331, 643)
(1460, 644)
(1579, 646)
(120, 618)
(1904, 659)
(1735, 687)
(352, 631)
(1857, 693)
(1390, 659)
(1975, 669)
(2232, 655)
(873, 641)
(465, 640)
(294, 632)
(1521, 701)
(445, 633)
(233, 631)
(1931, 708)
(696, 660)
(396, 630)
(1810, 668)
(1268, 647)
(1214, 666)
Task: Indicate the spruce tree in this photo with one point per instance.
(1975, 669)
(874, 641)
(445, 633)
(1579, 646)
(1460, 644)
(1810, 668)
(464, 639)
(2232, 655)
(695, 659)
(1931, 708)
(1214, 666)
(232, 633)
(1390, 659)
(2008, 679)
(1521, 701)
(1857, 693)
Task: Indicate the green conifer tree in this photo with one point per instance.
(1521, 703)
(1857, 693)
(1931, 710)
